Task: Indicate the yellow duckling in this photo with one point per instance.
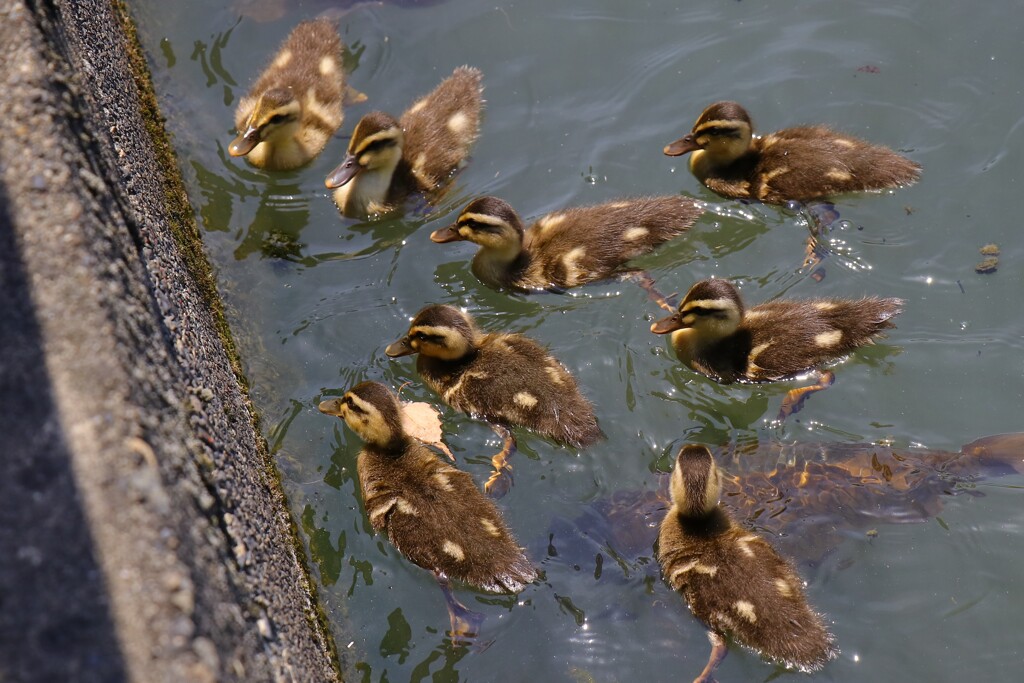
(566, 248)
(296, 104)
(388, 160)
(732, 579)
(507, 379)
(803, 163)
(431, 512)
(716, 335)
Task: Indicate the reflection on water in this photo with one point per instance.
(580, 100)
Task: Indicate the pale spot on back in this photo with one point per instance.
(744, 544)
(705, 569)
(618, 205)
(827, 339)
(634, 233)
(458, 122)
(490, 527)
(328, 65)
(824, 305)
(442, 480)
(843, 142)
(679, 571)
(454, 549)
(550, 221)
(417, 106)
(754, 313)
(525, 399)
(572, 270)
(282, 59)
(758, 350)
(767, 178)
(785, 590)
(555, 374)
(838, 174)
(405, 507)
(745, 610)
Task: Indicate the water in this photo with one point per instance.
(581, 97)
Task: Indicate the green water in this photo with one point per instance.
(581, 97)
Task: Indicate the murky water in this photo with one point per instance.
(581, 97)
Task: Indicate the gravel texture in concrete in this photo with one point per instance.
(143, 534)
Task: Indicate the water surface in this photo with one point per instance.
(581, 97)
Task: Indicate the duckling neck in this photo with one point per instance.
(713, 523)
(501, 267)
(284, 149)
(704, 165)
(687, 344)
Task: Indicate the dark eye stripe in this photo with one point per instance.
(379, 144)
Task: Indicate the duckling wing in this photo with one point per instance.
(814, 161)
(436, 516)
(441, 127)
(584, 244)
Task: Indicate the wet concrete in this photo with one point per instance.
(143, 534)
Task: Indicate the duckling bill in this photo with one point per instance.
(389, 159)
(802, 163)
(507, 379)
(431, 512)
(295, 106)
(732, 579)
(566, 248)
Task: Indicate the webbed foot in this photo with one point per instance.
(500, 482)
(794, 400)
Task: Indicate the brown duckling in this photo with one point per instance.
(507, 379)
(431, 512)
(296, 104)
(390, 159)
(566, 248)
(803, 163)
(732, 579)
(716, 335)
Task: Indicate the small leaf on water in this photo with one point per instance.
(422, 421)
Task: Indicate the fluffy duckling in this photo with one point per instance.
(296, 104)
(732, 579)
(803, 163)
(565, 248)
(716, 335)
(390, 159)
(507, 379)
(431, 512)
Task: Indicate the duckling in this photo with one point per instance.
(804, 163)
(296, 104)
(716, 335)
(388, 160)
(565, 248)
(732, 579)
(431, 512)
(507, 379)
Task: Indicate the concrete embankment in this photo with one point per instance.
(143, 533)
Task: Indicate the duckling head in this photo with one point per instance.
(438, 331)
(371, 411)
(723, 133)
(490, 222)
(712, 309)
(276, 115)
(376, 146)
(696, 481)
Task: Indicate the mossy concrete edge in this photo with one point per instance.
(191, 541)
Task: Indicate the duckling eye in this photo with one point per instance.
(278, 118)
(348, 401)
(476, 225)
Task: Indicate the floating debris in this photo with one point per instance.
(990, 250)
(991, 263)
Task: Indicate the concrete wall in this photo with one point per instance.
(143, 535)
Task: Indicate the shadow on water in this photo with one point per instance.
(55, 623)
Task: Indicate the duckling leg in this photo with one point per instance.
(501, 479)
(718, 651)
(465, 622)
(642, 278)
(794, 400)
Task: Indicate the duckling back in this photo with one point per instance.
(811, 162)
(435, 515)
(306, 73)
(736, 583)
(510, 379)
(441, 127)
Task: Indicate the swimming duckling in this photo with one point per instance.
(716, 335)
(803, 163)
(566, 248)
(507, 379)
(431, 512)
(388, 160)
(732, 579)
(296, 104)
